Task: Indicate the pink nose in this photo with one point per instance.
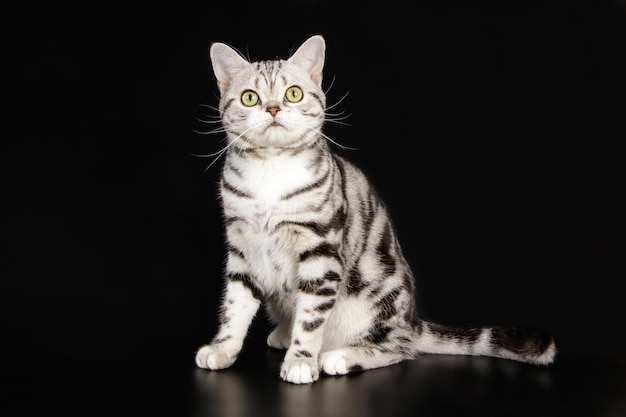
(273, 110)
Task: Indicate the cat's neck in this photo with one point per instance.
(275, 172)
(265, 154)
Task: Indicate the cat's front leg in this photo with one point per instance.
(318, 278)
(240, 303)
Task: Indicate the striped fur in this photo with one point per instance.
(309, 238)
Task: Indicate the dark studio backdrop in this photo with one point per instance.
(494, 131)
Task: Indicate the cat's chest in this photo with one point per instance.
(255, 188)
(270, 181)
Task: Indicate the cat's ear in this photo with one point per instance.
(226, 63)
(310, 56)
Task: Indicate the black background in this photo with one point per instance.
(494, 131)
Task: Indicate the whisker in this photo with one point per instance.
(210, 132)
(339, 121)
(219, 155)
(336, 143)
(338, 102)
(207, 121)
(330, 86)
(209, 107)
(334, 114)
(222, 151)
(209, 155)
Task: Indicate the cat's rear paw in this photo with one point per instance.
(334, 362)
(300, 371)
(215, 357)
(279, 339)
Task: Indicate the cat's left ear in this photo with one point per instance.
(226, 63)
(310, 57)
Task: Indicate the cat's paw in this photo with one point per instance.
(334, 362)
(215, 357)
(300, 371)
(279, 339)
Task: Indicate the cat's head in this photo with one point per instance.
(271, 104)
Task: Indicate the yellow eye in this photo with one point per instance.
(294, 94)
(249, 98)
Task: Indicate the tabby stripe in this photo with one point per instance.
(410, 315)
(355, 283)
(303, 354)
(335, 223)
(307, 187)
(297, 151)
(235, 171)
(230, 220)
(247, 281)
(378, 333)
(325, 306)
(326, 292)
(319, 99)
(342, 174)
(383, 249)
(525, 341)
(466, 335)
(232, 189)
(329, 194)
(310, 286)
(222, 339)
(317, 228)
(317, 163)
(324, 250)
(235, 252)
(269, 66)
(309, 326)
(332, 276)
(322, 204)
(386, 305)
(227, 104)
(369, 212)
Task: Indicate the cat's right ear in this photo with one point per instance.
(226, 63)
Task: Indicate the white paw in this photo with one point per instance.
(299, 371)
(279, 339)
(215, 357)
(334, 362)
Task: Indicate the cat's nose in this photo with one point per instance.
(273, 107)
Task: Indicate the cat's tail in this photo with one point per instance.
(524, 344)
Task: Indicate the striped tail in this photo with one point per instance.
(523, 344)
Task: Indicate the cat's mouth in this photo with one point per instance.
(274, 124)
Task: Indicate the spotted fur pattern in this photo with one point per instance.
(309, 238)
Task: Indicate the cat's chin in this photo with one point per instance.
(277, 137)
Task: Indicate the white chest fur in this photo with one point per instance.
(268, 180)
(265, 184)
(262, 202)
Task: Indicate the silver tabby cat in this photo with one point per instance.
(309, 238)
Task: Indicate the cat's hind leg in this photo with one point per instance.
(357, 358)
(278, 310)
(280, 337)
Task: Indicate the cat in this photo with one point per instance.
(308, 237)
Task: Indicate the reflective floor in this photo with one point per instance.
(578, 384)
(428, 386)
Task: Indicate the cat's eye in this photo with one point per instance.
(249, 98)
(294, 94)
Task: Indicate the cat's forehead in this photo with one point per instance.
(274, 73)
